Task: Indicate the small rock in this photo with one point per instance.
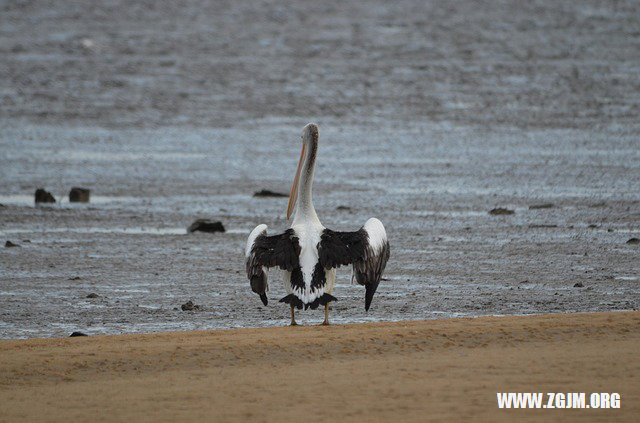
(206, 225)
(592, 226)
(2, 205)
(633, 241)
(500, 211)
(268, 193)
(10, 244)
(78, 334)
(27, 241)
(541, 206)
(190, 306)
(93, 295)
(578, 285)
(43, 196)
(345, 208)
(79, 195)
(75, 278)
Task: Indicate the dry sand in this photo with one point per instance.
(406, 371)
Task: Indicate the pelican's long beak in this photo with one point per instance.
(293, 195)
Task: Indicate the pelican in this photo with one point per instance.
(308, 252)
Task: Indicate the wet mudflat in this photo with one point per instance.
(430, 117)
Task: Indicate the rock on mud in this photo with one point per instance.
(43, 196)
(578, 285)
(93, 295)
(79, 195)
(190, 306)
(633, 241)
(78, 334)
(268, 193)
(10, 244)
(206, 225)
(541, 206)
(500, 211)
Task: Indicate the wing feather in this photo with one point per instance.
(264, 251)
(367, 250)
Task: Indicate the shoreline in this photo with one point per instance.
(374, 371)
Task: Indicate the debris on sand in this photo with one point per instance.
(10, 244)
(268, 193)
(43, 196)
(344, 208)
(541, 206)
(78, 334)
(93, 295)
(190, 306)
(206, 225)
(633, 241)
(578, 285)
(79, 195)
(500, 211)
(75, 278)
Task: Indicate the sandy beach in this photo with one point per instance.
(406, 371)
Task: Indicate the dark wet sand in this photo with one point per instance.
(438, 370)
(430, 116)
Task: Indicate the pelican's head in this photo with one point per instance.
(309, 141)
(310, 133)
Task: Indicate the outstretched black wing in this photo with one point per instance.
(366, 249)
(269, 251)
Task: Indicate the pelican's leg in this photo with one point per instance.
(293, 317)
(326, 315)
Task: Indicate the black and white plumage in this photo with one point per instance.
(308, 252)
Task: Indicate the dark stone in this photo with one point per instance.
(10, 244)
(78, 334)
(190, 306)
(541, 206)
(269, 193)
(79, 195)
(75, 278)
(343, 208)
(578, 285)
(592, 226)
(93, 295)
(633, 241)
(43, 196)
(206, 225)
(500, 211)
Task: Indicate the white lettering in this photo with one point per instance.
(594, 400)
(551, 395)
(615, 400)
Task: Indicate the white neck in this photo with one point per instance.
(305, 210)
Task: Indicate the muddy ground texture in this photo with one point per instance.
(430, 116)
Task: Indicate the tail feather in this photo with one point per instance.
(370, 290)
(299, 304)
